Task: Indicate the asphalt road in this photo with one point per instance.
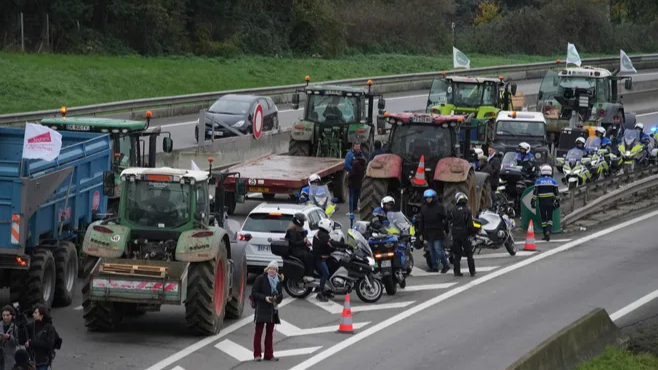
(182, 127)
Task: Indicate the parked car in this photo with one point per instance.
(268, 222)
(237, 111)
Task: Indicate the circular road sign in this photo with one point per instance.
(258, 121)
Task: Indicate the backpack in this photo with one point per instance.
(252, 301)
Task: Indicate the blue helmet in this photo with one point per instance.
(429, 193)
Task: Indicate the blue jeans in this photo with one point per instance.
(436, 252)
(355, 193)
(43, 367)
(323, 269)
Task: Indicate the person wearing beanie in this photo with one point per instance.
(267, 294)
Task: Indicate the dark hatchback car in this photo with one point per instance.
(237, 111)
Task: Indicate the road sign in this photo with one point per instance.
(528, 213)
(96, 200)
(257, 120)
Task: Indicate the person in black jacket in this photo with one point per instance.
(267, 293)
(354, 181)
(462, 227)
(296, 235)
(41, 338)
(322, 249)
(432, 227)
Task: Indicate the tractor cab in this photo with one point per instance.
(481, 96)
(335, 117)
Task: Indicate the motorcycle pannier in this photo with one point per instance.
(280, 248)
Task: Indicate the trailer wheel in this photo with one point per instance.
(40, 287)
(372, 192)
(468, 187)
(235, 305)
(339, 185)
(66, 272)
(299, 148)
(207, 294)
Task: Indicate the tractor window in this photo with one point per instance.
(412, 142)
(202, 201)
(466, 95)
(603, 88)
(438, 93)
(548, 87)
(124, 149)
(490, 95)
(332, 109)
(157, 204)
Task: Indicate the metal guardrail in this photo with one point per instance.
(129, 105)
(584, 201)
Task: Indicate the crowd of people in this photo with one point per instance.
(28, 345)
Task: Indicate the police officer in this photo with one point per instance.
(546, 189)
(462, 227)
(296, 236)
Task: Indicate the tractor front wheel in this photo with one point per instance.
(98, 316)
(468, 187)
(372, 192)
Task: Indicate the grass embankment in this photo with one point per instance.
(615, 359)
(33, 82)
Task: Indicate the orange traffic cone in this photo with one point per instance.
(419, 179)
(346, 319)
(530, 239)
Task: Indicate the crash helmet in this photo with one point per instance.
(546, 170)
(639, 126)
(387, 200)
(299, 219)
(580, 140)
(314, 178)
(326, 225)
(600, 130)
(429, 193)
(461, 198)
(524, 146)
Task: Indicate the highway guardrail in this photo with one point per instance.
(380, 85)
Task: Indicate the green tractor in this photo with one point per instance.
(335, 118)
(167, 246)
(127, 139)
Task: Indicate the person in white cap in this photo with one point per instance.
(267, 295)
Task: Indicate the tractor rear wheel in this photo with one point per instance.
(368, 146)
(468, 187)
(207, 294)
(98, 316)
(66, 272)
(299, 148)
(372, 192)
(485, 195)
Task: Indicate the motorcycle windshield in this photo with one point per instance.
(574, 155)
(509, 160)
(593, 143)
(398, 220)
(630, 137)
(319, 194)
(356, 240)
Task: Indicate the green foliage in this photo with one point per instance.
(615, 359)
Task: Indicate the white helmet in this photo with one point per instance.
(546, 170)
(314, 177)
(326, 225)
(525, 146)
(478, 152)
(640, 126)
(387, 199)
(580, 140)
(600, 130)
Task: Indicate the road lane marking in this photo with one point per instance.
(335, 308)
(418, 272)
(209, 340)
(349, 342)
(544, 241)
(503, 255)
(178, 368)
(243, 354)
(290, 330)
(416, 288)
(78, 308)
(634, 306)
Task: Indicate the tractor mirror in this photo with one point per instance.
(381, 104)
(108, 183)
(167, 145)
(295, 101)
(628, 84)
(514, 87)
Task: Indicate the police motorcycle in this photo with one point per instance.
(513, 181)
(633, 152)
(349, 269)
(318, 195)
(574, 168)
(493, 231)
(598, 165)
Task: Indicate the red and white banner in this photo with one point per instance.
(134, 285)
(40, 142)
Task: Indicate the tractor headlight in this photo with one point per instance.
(538, 155)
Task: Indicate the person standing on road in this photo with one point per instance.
(42, 335)
(8, 338)
(354, 181)
(267, 294)
(296, 236)
(432, 227)
(462, 227)
(495, 162)
(547, 190)
(349, 157)
(378, 150)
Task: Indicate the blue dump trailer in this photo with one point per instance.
(45, 207)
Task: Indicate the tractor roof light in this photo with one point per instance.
(307, 79)
(63, 111)
(460, 119)
(514, 114)
(149, 114)
(369, 82)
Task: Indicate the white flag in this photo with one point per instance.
(40, 142)
(194, 166)
(625, 63)
(459, 59)
(572, 55)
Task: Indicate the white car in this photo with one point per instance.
(269, 222)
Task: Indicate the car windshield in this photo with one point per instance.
(521, 128)
(593, 142)
(413, 141)
(271, 222)
(575, 154)
(398, 220)
(225, 106)
(158, 204)
(332, 108)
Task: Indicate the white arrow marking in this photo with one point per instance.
(415, 288)
(178, 368)
(335, 308)
(418, 272)
(290, 330)
(242, 354)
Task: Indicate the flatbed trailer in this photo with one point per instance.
(272, 174)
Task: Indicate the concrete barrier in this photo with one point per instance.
(579, 342)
